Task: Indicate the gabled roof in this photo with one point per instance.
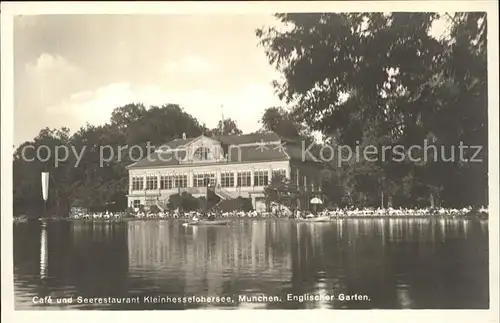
(249, 138)
(256, 147)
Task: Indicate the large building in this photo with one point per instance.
(236, 165)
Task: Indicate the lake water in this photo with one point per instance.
(387, 263)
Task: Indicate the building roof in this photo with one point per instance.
(248, 148)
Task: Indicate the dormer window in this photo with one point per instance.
(201, 153)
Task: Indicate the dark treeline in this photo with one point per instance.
(359, 79)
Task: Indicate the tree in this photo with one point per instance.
(123, 117)
(184, 201)
(281, 191)
(384, 80)
(229, 128)
(278, 120)
(98, 177)
(157, 125)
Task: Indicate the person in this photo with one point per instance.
(211, 216)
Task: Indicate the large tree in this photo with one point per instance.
(226, 127)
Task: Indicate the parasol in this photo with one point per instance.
(316, 200)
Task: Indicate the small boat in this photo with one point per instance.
(206, 222)
(316, 219)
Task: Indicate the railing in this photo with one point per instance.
(195, 190)
(224, 193)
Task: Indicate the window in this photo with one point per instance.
(201, 153)
(227, 179)
(261, 178)
(244, 179)
(136, 203)
(166, 182)
(181, 181)
(279, 173)
(137, 183)
(203, 180)
(152, 182)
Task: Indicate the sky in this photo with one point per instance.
(74, 69)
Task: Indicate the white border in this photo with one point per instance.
(8, 10)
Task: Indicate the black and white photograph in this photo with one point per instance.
(268, 159)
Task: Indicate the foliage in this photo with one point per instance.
(358, 78)
(230, 128)
(184, 201)
(93, 184)
(237, 204)
(154, 209)
(244, 204)
(280, 121)
(280, 190)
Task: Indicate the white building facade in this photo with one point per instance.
(237, 166)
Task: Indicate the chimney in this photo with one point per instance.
(183, 135)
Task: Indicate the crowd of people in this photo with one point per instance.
(285, 213)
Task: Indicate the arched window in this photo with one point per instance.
(201, 153)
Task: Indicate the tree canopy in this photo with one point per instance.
(228, 128)
(383, 79)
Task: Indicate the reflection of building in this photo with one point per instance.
(203, 258)
(236, 165)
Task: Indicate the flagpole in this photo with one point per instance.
(222, 120)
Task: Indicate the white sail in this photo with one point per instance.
(45, 185)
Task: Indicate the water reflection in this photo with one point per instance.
(398, 263)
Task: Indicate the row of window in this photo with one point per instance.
(243, 178)
(173, 181)
(166, 182)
